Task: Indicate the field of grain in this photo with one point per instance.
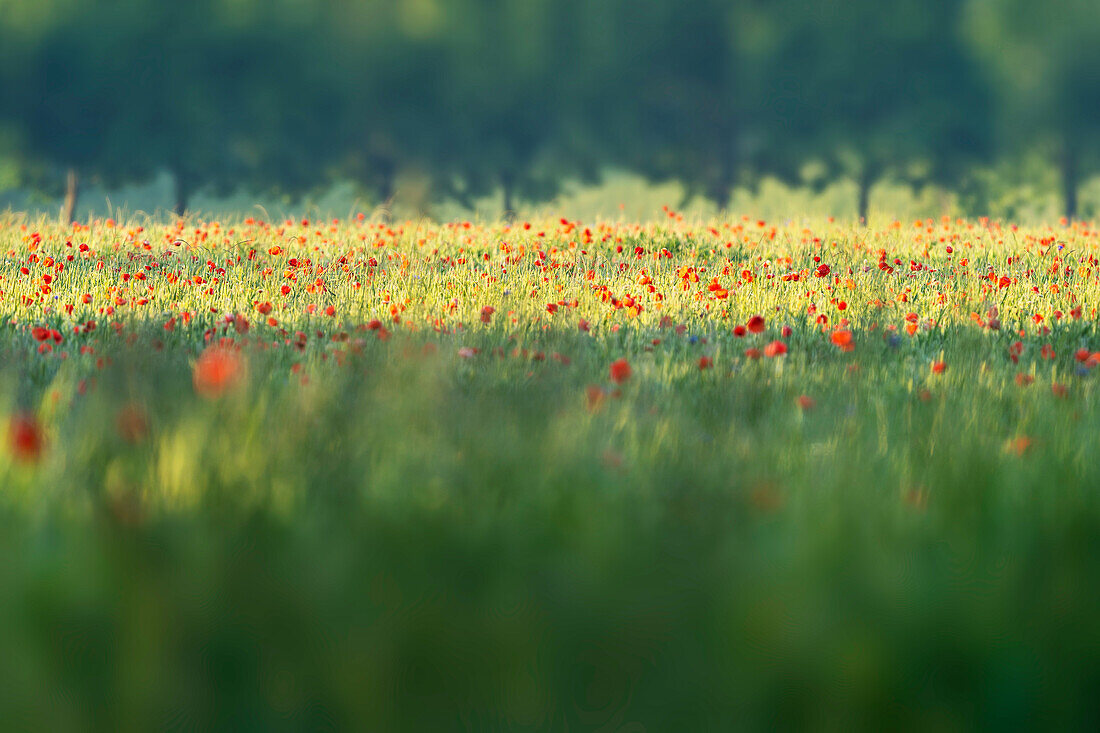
(678, 475)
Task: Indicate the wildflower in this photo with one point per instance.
(842, 339)
(806, 403)
(705, 362)
(766, 497)
(131, 423)
(487, 313)
(916, 497)
(939, 367)
(756, 324)
(620, 371)
(774, 349)
(217, 370)
(25, 439)
(594, 396)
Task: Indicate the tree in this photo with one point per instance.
(880, 88)
(219, 93)
(1044, 59)
(678, 97)
(514, 100)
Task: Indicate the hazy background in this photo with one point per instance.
(590, 108)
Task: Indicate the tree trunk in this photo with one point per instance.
(1069, 183)
(387, 192)
(865, 181)
(509, 205)
(183, 194)
(720, 189)
(72, 194)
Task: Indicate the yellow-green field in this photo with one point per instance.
(552, 475)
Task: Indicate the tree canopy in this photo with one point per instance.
(502, 95)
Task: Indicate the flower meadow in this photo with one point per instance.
(549, 475)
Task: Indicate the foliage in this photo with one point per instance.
(476, 96)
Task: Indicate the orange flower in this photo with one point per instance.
(939, 367)
(842, 339)
(217, 370)
(620, 371)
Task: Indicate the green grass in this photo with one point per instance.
(393, 536)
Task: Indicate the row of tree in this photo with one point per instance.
(520, 95)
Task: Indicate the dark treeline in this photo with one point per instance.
(520, 95)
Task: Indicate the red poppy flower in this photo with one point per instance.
(620, 371)
(842, 339)
(756, 324)
(217, 370)
(25, 439)
(774, 349)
